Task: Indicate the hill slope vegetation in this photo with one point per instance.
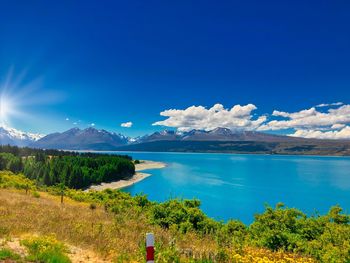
(112, 224)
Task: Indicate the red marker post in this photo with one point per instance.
(150, 248)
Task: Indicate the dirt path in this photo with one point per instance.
(75, 254)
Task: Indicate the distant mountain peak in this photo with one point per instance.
(217, 134)
(73, 130)
(86, 139)
(99, 139)
(90, 129)
(13, 136)
(221, 130)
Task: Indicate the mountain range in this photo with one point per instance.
(218, 140)
(12, 136)
(77, 139)
(218, 134)
(93, 139)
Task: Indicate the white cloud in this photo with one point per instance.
(126, 124)
(330, 104)
(329, 123)
(343, 133)
(338, 126)
(67, 119)
(296, 115)
(309, 119)
(198, 117)
(92, 124)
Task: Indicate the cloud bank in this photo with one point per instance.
(324, 121)
(126, 124)
(343, 133)
(198, 117)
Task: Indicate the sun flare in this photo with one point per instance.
(5, 109)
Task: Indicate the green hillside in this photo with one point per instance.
(112, 224)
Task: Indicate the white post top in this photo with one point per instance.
(149, 240)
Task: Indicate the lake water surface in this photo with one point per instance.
(238, 186)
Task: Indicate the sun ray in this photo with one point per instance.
(6, 109)
(21, 97)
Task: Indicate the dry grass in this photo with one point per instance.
(75, 223)
(94, 235)
(256, 255)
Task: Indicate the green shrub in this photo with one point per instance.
(92, 206)
(277, 228)
(326, 238)
(18, 181)
(36, 194)
(141, 200)
(233, 232)
(8, 254)
(4, 231)
(165, 254)
(183, 215)
(45, 249)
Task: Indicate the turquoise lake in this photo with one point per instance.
(238, 186)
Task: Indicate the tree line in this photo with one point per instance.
(73, 169)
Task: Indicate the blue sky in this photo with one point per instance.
(124, 61)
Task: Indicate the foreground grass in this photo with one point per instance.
(112, 238)
(113, 230)
(44, 249)
(8, 254)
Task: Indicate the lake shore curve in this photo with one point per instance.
(137, 177)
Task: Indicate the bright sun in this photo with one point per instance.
(5, 109)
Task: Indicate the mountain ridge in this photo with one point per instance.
(217, 140)
(13, 136)
(81, 139)
(218, 134)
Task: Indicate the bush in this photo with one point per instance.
(141, 200)
(326, 238)
(182, 215)
(18, 181)
(45, 249)
(233, 232)
(36, 194)
(6, 254)
(165, 254)
(92, 206)
(278, 228)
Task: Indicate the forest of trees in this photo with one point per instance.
(73, 169)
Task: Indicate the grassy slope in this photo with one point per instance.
(108, 235)
(112, 237)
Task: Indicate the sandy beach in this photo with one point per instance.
(138, 176)
(147, 165)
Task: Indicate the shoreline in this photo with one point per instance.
(224, 153)
(137, 177)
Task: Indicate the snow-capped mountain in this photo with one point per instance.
(13, 136)
(86, 139)
(218, 134)
(94, 139)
